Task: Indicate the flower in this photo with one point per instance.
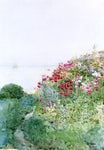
(65, 93)
(49, 103)
(58, 102)
(82, 88)
(39, 83)
(77, 74)
(40, 99)
(77, 83)
(50, 78)
(90, 85)
(44, 79)
(96, 86)
(89, 92)
(87, 87)
(39, 86)
(44, 110)
(54, 114)
(70, 88)
(95, 80)
(49, 110)
(71, 92)
(98, 83)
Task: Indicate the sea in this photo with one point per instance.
(25, 76)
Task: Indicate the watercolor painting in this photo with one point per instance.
(52, 74)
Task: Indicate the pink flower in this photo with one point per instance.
(87, 87)
(98, 83)
(77, 83)
(44, 110)
(90, 85)
(71, 92)
(77, 74)
(82, 88)
(91, 69)
(89, 92)
(49, 103)
(77, 89)
(95, 80)
(98, 78)
(96, 86)
(40, 99)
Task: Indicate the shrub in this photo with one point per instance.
(34, 129)
(4, 95)
(28, 100)
(11, 91)
(15, 115)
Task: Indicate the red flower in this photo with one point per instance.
(50, 78)
(65, 93)
(70, 88)
(44, 79)
(68, 84)
(59, 86)
(39, 86)
(69, 80)
(39, 83)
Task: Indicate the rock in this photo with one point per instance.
(21, 142)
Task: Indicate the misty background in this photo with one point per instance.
(36, 35)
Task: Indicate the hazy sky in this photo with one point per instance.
(49, 31)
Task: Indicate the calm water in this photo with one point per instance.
(25, 76)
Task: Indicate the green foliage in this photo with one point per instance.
(4, 95)
(29, 100)
(94, 137)
(11, 91)
(72, 138)
(48, 93)
(15, 115)
(27, 103)
(3, 116)
(34, 129)
(9, 146)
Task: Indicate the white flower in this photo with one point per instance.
(96, 74)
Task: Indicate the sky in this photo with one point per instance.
(46, 32)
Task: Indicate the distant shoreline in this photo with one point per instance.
(29, 66)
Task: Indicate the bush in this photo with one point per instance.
(34, 129)
(11, 91)
(4, 95)
(28, 100)
(15, 115)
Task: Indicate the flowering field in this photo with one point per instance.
(65, 113)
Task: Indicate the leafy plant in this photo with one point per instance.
(34, 129)
(15, 115)
(11, 91)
